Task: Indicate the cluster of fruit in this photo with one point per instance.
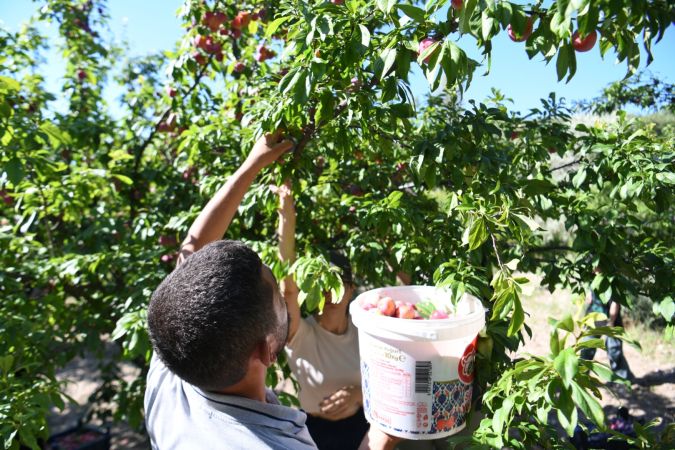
(387, 306)
(217, 21)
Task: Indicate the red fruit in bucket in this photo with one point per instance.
(369, 304)
(386, 306)
(438, 315)
(406, 311)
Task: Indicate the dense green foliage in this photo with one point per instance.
(94, 205)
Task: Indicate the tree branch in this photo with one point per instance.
(138, 152)
(565, 165)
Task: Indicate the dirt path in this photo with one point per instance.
(654, 366)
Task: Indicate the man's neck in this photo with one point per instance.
(252, 386)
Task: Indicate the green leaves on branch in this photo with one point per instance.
(316, 278)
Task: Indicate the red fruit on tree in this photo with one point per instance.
(81, 74)
(6, 198)
(386, 306)
(586, 43)
(199, 58)
(167, 241)
(169, 124)
(338, 2)
(212, 46)
(200, 41)
(425, 44)
(239, 67)
(457, 4)
(171, 92)
(526, 33)
(241, 20)
(235, 33)
(264, 53)
(219, 56)
(206, 19)
(355, 190)
(213, 20)
(514, 135)
(168, 258)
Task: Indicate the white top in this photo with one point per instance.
(323, 362)
(180, 416)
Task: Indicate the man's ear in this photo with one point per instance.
(264, 351)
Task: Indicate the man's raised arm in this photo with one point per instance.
(215, 218)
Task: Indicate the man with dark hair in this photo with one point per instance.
(217, 322)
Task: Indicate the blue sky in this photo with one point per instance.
(152, 25)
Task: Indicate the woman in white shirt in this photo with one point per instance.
(323, 350)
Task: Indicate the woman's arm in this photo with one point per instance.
(289, 290)
(215, 218)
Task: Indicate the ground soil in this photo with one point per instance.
(653, 396)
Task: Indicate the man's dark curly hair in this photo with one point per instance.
(208, 315)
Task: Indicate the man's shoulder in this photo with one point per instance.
(179, 414)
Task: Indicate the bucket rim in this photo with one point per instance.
(395, 323)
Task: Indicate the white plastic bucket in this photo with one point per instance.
(417, 374)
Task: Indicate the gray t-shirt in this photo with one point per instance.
(179, 415)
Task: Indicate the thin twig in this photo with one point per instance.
(565, 165)
(494, 246)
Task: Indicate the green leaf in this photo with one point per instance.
(531, 224)
(465, 15)
(14, 169)
(554, 343)
(518, 317)
(425, 308)
(666, 177)
(56, 136)
(478, 233)
(415, 13)
(289, 80)
(6, 363)
(567, 323)
(567, 365)
(562, 63)
(579, 178)
(487, 23)
(605, 373)
(365, 36)
(388, 58)
(591, 343)
(588, 405)
(666, 308)
(274, 26)
(123, 178)
(386, 5)
(9, 84)
(501, 416)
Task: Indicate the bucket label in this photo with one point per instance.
(405, 395)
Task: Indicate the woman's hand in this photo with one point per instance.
(343, 403)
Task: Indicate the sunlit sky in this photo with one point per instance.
(152, 25)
